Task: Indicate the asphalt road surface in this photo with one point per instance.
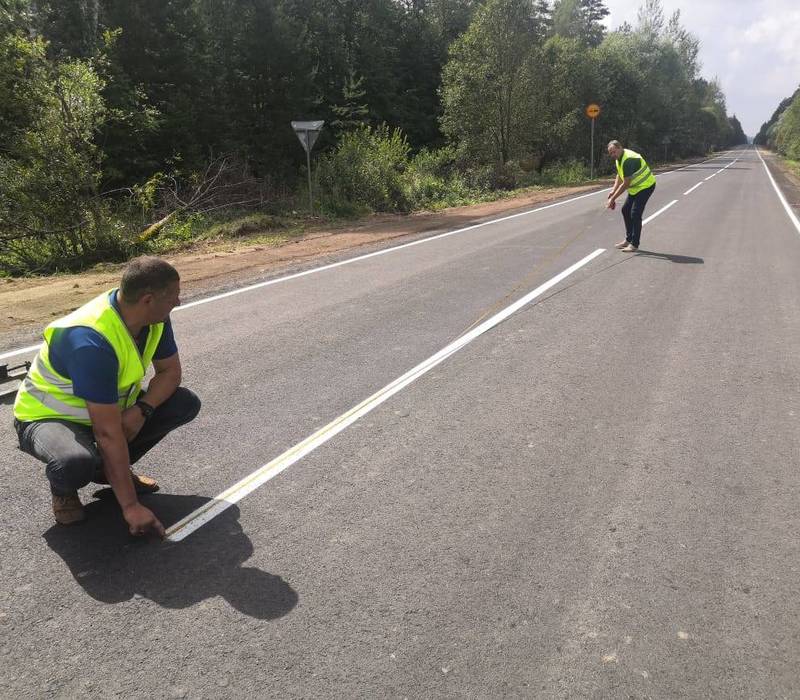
(597, 497)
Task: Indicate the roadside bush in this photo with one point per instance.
(365, 172)
(433, 180)
(571, 172)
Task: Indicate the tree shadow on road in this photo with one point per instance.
(681, 259)
(112, 567)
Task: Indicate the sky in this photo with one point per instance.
(752, 46)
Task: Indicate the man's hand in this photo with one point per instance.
(141, 520)
(132, 422)
(611, 204)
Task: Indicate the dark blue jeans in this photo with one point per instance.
(632, 213)
(70, 452)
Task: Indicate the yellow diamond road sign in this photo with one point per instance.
(593, 111)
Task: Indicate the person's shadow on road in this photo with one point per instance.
(681, 259)
(112, 567)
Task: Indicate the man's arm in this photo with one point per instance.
(161, 387)
(167, 379)
(110, 437)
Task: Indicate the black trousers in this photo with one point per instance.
(70, 452)
(632, 212)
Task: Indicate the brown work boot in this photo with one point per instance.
(142, 483)
(68, 509)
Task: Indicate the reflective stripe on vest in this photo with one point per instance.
(642, 178)
(45, 394)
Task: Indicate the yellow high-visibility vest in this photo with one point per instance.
(642, 178)
(45, 394)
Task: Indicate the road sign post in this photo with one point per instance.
(592, 111)
(308, 132)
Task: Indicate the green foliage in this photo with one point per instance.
(179, 232)
(245, 225)
(352, 112)
(51, 216)
(487, 86)
(434, 180)
(580, 19)
(766, 135)
(365, 172)
(787, 132)
(572, 172)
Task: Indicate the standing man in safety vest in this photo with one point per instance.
(635, 176)
(81, 409)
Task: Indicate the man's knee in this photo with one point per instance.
(188, 404)
(72, 471)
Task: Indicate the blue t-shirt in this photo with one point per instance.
(85, 357)
(631, 166)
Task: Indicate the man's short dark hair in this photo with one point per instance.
(147, 275)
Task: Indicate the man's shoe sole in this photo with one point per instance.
(144, 484)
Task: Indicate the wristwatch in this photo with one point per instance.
(145, 408)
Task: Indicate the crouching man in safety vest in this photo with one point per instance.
(634, 175)
(81, 409)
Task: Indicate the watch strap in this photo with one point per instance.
(146, 408)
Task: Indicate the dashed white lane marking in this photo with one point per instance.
(692, 189)
(660, 211)
(786, 206)
(250, 483)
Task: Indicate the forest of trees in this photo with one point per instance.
(121, 120)
(782, 131)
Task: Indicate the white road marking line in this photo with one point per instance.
(689, 191)
(786, 206)
(660, 211)
(722, 169)
(692, 165)
(314, 270)
(238, 491)
(21, 351)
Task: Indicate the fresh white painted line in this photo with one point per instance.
(660, 211)
(250, 483)
(689, 191)
(315, 270)
(722, 169)
(786, 206)
(692, 165)
(21, 351)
